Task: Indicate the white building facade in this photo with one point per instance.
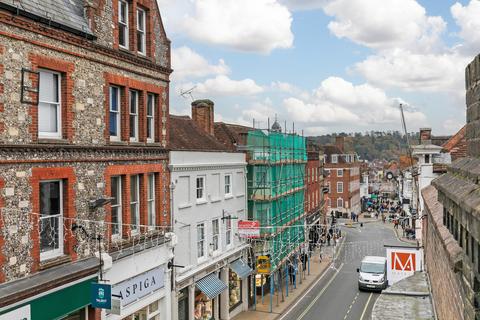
(209, 199)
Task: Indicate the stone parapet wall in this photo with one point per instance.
(472, 84)
(442, 254)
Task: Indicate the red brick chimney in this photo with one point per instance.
(202, 114)
(425, 135)
(340, 143)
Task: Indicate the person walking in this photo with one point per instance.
(329, 237)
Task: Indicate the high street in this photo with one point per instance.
(335, 296)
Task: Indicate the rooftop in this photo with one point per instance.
(63, 14)
(185, 135)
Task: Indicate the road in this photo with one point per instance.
(335, 296)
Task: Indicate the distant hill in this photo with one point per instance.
(374, 144)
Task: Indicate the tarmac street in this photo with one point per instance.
(336, 296)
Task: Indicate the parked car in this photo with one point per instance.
(372, 274)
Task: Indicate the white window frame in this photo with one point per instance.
(151, 201)
(135, 227)
(118, 112)
(58, 133)
(215, 235)
(229, 185)
(119, 206)
(151, 118)
(338, 201)
(133, 114)
(228, 232)
(339, 172)
(59, 251)
(334, 158)
(142, 30)
(201, 241)
(123, 23)
(202, 188)
(340, 186)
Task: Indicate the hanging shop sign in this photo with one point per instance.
(138, 287)
(402, 262)
(101, 295)
(249, 229)
(263, 265)
(22, 313)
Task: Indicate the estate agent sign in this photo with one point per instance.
(402, 262)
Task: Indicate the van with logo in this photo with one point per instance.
(372, 274)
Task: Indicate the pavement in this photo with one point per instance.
(280, 301)
(407, 299)
(332, 292)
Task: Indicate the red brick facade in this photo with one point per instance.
(342, 173)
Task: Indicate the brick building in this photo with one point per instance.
(451, 224)
(343, 177)
(314, 197)
(83, 116)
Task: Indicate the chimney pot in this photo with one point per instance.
(425, 135)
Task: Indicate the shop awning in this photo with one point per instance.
(241, 268)
(211, 285)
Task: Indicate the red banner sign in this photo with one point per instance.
(249, 229)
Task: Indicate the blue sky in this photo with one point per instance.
(327, 65)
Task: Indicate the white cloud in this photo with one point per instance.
(189, 64)
(247, 25)
(451, 126)
(338, 102)
(467, 18)
(304, 4)
(381, 24)
(415, 72)
(223, 86)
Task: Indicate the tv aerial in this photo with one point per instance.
(188, 93)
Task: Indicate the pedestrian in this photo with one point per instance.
(328, 238)
(291, 272)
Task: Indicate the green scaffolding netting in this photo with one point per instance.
(276, 174)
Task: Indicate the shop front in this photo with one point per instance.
(140, 286)
(238, 279)
(70, 303)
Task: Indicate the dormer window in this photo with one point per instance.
(141, 39)
(123, 24)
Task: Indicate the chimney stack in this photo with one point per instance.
(340, 143)
(202, 114)
(425, 135)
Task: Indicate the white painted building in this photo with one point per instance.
(209, 199)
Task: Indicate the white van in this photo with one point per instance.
(372, 274)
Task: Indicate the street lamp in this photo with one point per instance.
(94, 205)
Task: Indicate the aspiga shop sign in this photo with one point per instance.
(135, 288)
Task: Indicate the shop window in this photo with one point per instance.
(116, 206)
(216, 235)
(114, 118)
(134, 202)
(123, 24)
(150, 118)
(150, 312)
(141, 27)
(228, 185)
(51, 219)
(133, 115)
(183, 304)
(49, 105)
(200, 240)
(234, 290)
(200, 188)
(151, 200)
(203, 306)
